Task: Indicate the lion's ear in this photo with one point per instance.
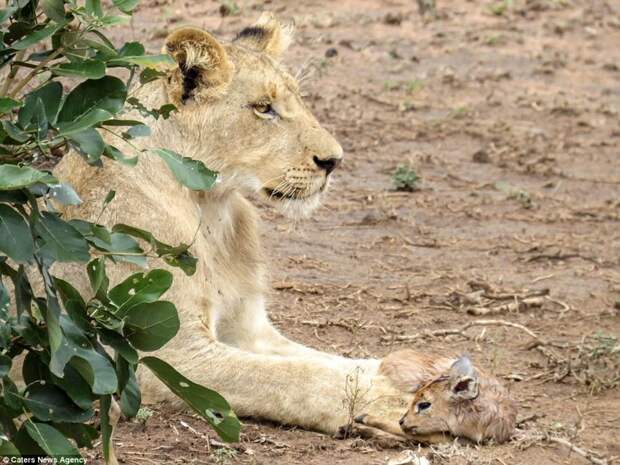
(203, 65)
(267, 35)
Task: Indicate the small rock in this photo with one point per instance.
(481, 156)
(393, 19)
(590, 31)
(331, 52)
(408, 457)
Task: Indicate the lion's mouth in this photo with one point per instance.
(294, 194)
(275, 194)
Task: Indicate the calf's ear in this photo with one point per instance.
(463, 379)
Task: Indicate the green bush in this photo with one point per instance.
(47, 46)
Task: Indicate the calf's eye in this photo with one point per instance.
(421, 406)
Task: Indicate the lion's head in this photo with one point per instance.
(238, 102)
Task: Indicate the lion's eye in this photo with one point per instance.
(264, 110)
(421, 406)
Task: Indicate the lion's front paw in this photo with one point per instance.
(377, 436)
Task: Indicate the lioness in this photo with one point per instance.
(241, 114)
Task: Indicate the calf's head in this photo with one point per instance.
(462, 403)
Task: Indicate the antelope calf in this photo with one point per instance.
(451, 398)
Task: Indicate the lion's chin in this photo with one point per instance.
(295, 204)
(296, 208)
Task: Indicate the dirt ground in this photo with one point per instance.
(509, 114)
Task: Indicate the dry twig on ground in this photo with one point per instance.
(461, 331)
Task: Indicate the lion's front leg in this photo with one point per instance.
(304, 391)
(246, 325)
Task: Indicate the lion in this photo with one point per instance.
(240, 113)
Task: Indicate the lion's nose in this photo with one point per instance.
(327, 164)
(401, 422)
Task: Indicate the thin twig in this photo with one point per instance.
(9, 79)
(586, 454)
(461, 331)
(24, 82)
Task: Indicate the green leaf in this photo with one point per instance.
(177, 256)
(104, 49)
(73, 303)
(112, 20)
(32, 116)
(150, 74)
(126, 6)
(131, 49)
(83, 435)
(120, 345)
(50, 403)
(122, 247)
(164, 111)
(15, 238)
(207, 403)
(14, 132)
(102, 233)
(140, 289)
(51, 95)
(128, 385)
(5, 329)
(8, 449)
(115, 154)
(96, 274)
(5, 364)
(90, 144)
(94, 367)
(76, 387)
(123, 122)
(12, 399)
(140, 130)
(34, 370)
(109, 197)
(6, 13)
(38, 36)
(8, 104)
(93, 7)
(51, 314)
(108, 93)
(88, 69)
(23, 291)
(26, 445)
(145, 61)
(51, 440)
(191, 173)
(83, 123)
(14, 197)
(17, 177)
(68, 293)
(61, 242)
(64, 194)
(150, 326)
(53, 9)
